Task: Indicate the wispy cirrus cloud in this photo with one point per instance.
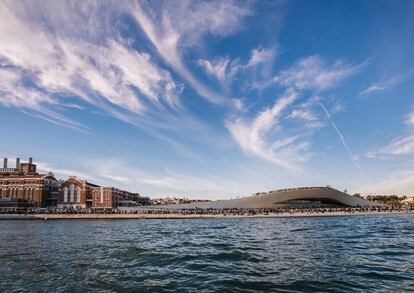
(312, 73)
(307, 74)
(306, 116)
(387, 83)
(14, 92)
(257, 136)
(410, 119)
(307, 113)
(399, 183)
(89, 61)
(260, 56)
(222, 69)
(63, 172)
(400, 146)
(118, 172)
(180, 24)
(226, 69)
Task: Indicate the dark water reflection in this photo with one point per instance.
(360, 253)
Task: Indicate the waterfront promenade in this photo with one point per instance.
(208, 215)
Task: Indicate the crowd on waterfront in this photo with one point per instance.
(215, 212)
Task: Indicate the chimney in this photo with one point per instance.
(30, 160)
(5, 163)
(17, 163)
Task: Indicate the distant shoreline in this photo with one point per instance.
(181, 216)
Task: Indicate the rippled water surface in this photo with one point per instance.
(359, 253)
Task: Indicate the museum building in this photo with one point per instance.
(23, 186)
(76, 193)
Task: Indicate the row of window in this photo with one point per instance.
(99, 191)
(21, 181)
(44, 182)
(71, 194)
(26, 193)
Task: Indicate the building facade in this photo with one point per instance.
(24, 187)
(75, 193)
(300, 197)
(111, 197)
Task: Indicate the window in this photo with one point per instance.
(77, 194)
(31, 192)
(71, 192)
(65, 194)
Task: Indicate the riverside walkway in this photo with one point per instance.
(18, 214)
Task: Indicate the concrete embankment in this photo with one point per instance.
(181, 216)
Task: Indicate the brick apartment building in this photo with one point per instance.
(23, 186)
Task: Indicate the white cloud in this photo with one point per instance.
(398, 147)
(312, 73)
(253, 136)
(337, 108)
(34, 102)
(261, 55)
(181, 24)
(226, 70)
(217, 68)
(399, 183)
(303, 114)
(153, 183)
(307, 116)
(40, 64)
(387, 83)
(402, 146)
(306, 113)
(410, 119)
(62, 172)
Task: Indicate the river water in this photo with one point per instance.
(324, 254)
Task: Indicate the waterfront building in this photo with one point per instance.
(111, 197)
(23, 186)
(76, 193)
(300, 197)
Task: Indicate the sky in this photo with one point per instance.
(211, 99)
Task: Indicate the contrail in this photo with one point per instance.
(348, 149)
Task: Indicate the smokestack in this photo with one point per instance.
(17, 163)
(5, 163)
(30, 160)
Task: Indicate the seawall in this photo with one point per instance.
(181, 216)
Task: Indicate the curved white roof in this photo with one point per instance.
(277, 198)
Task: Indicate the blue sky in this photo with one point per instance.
(211, 99)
